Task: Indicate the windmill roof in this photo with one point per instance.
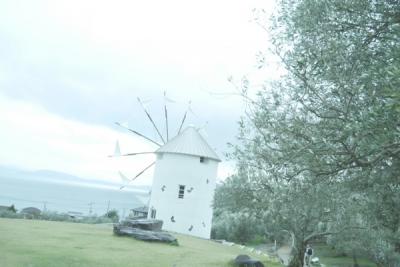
(143, 209)
(189, 142)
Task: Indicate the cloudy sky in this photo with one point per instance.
(70, 69)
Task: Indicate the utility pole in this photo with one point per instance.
(108, 207)
(123, 214)
(90, 207)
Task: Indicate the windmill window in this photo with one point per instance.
(181, 191)
(203, 160)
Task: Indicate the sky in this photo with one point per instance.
(70, 69)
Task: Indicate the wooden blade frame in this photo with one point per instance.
(151, 120)
(184, 118)
(140, 173)
(131, 154)
(166, 114)
(137, 133)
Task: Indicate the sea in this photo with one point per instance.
(60, 192)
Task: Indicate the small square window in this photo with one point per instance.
(181, 191)
(203, 160)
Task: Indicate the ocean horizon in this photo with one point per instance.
(46, 191)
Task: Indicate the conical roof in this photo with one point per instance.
(189, 142)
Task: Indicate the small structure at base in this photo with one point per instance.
(139, 212)
(146, 230)
(315, 261)
(75, 215)
(246, 261)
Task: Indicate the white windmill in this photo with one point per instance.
(184, 179)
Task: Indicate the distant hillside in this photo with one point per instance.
(61, 177)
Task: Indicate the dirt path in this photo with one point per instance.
(284, 254)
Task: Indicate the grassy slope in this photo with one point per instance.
(44, 243)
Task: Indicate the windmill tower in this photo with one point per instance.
(183, 184)
(184, 181)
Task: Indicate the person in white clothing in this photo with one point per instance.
(308, 255)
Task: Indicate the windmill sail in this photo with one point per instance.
(117, 150)
(137, 175)
(124, 179)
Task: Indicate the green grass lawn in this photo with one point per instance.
(329, 258)
(43, 243)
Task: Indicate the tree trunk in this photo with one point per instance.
(397, 247)
(355, 262)
(297, 259)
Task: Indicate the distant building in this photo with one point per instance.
(184, 183)
(8, 208)
(31, 212)
(75, 215)
(4, 208)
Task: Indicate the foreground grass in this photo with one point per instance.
(44, 243)
(329, 258)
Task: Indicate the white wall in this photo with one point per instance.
(172, 170)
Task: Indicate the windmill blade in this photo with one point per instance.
(133, 154)
(183, 121)
(137, 175)
(151, 120)
(137, 133)
(136, 153)
(166, 114)
(166, 120)
(184, 118)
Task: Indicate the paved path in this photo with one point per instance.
(284, 254)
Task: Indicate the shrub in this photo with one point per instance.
(95, 220)
(113, 215)
(55, 216)
(237, 227)
(60, 217)
(12, 208)
(10, 214)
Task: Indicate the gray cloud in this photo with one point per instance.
(81, 74)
